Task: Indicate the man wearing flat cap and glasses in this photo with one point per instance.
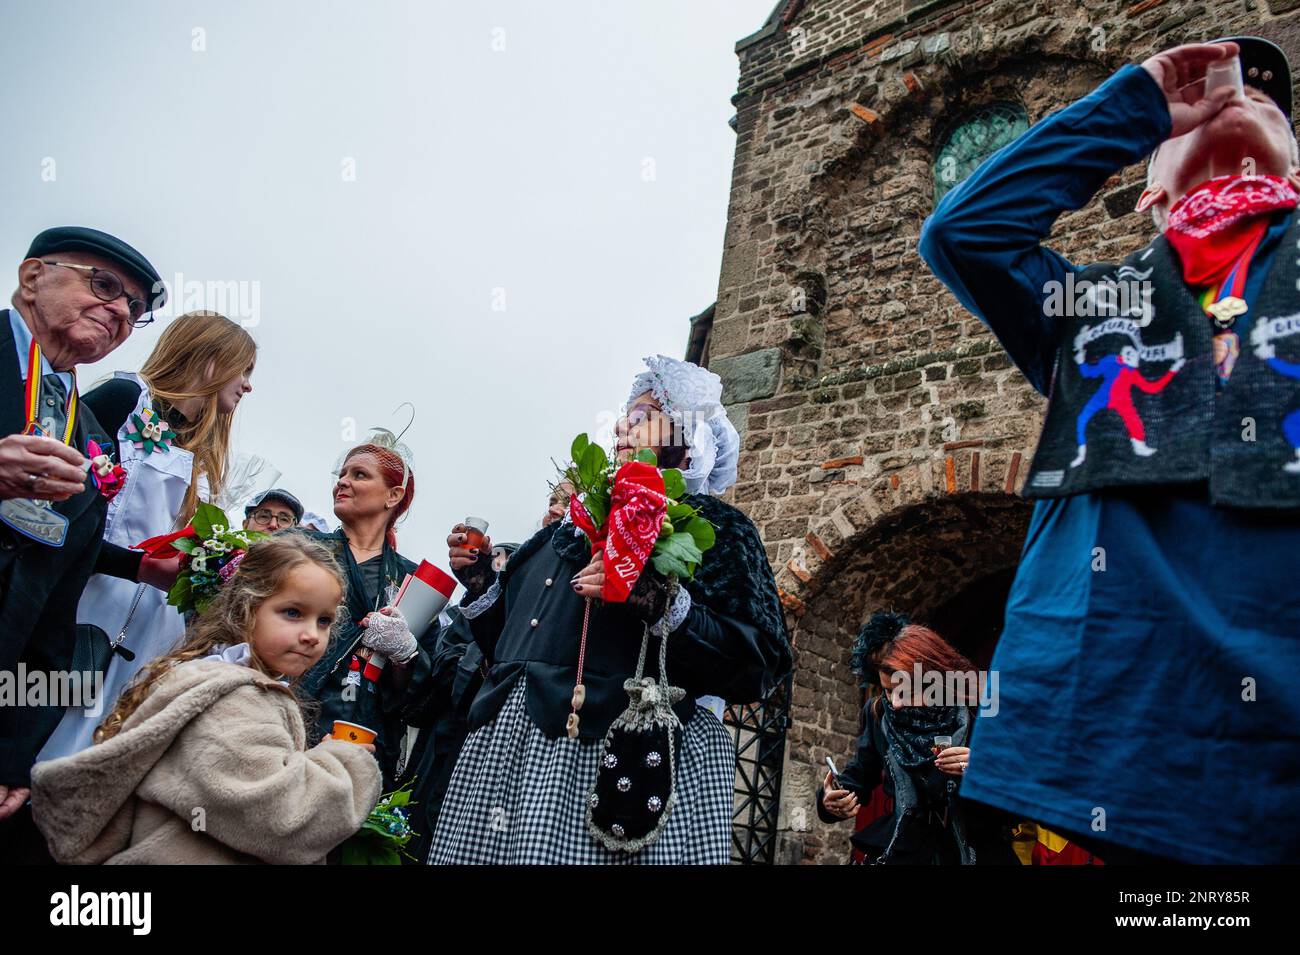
(80, 294)
(1152, 636)
(273, 510)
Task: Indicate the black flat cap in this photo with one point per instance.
(1265, 67)
(276, 494)
(76, 238)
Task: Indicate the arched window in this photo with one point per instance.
(972, 140)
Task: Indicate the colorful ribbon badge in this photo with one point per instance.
(108, 477)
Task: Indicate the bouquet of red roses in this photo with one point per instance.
(210, 552)
(634, 514)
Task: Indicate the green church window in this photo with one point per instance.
(974, 139)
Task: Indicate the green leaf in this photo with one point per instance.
(702, 533)
(646, 456)
(598, 507)
(592, 465)
(205, 515)
(682, 546)
(579, 446)
(179, 595)
(674, 483)
(669, 565)
(400, 798)
(185, 545)
(678, 512)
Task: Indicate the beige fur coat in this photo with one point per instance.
(212, 768)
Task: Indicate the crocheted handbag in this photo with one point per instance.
(633, 793)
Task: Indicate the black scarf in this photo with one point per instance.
(910, 731)
(358, 599)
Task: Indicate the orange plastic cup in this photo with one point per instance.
(353, 732)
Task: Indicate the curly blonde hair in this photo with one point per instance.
(230, 617)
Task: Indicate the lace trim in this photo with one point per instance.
(674, 615)
(478, 607)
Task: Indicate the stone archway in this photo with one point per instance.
(945, 561)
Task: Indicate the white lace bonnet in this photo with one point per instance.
(692, 397)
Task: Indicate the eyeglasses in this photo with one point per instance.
(107, 287)
(264, 516)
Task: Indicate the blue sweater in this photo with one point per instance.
(1148, 703)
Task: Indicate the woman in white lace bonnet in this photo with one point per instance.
(723, 636)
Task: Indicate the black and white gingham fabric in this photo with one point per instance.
(516, 797)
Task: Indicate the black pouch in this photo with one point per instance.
(93, 648)
(634, 793)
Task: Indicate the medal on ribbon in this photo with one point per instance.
(34, 518)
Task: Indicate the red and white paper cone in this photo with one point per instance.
(421, 599)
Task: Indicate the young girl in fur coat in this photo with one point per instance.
(204, 757)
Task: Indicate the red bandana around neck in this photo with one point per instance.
(1221, 219)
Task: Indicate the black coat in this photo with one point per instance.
(732, 644)
(379, 710)
(440, 709)
(40, 585)
(928, 840)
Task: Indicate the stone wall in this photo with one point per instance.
(864, 392)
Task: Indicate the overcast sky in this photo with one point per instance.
(492, 210)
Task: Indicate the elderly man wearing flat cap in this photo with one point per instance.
(80, 293)
(1152, 637)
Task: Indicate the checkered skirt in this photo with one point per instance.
(519, 798)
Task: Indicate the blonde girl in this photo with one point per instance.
(204, 759)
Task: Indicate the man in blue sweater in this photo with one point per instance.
(1152, 636)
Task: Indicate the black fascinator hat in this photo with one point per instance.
(880, 629)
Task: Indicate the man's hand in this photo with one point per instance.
(60, 470)
(11, 800)
(1180, 72)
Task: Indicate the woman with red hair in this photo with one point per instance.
(900, 750)
(373, 490)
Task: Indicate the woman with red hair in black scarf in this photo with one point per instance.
(373, 490)
(929, 824)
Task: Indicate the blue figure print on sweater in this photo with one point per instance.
(1263, 336)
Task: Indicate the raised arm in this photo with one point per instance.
(984, 238)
